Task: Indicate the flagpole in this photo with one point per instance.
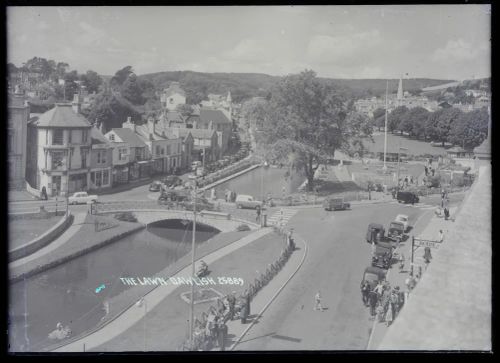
(385, 129)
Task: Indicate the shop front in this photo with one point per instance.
(120, 174)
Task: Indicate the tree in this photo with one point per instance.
(379, 118)
(394, 118)
(306, 121)
(61, 69)
(445, 122)
(131, 90)
(414, 121)
(120, 77)
(185, 110)
(253, 113)
(111, 109)
(470, 129)
(91, 80)
(70, 85)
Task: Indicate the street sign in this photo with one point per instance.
(427, 243)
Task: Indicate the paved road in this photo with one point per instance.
(337, 257)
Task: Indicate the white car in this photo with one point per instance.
(403, 218)
(247, 201)
(82, 198)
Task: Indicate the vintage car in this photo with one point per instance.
(336, 204)
(373, 229)
(82, 198)
(201, 204)
(173, 195)
(403, 218)
(407, 197)
(382, 256)
(247, 201)
(171, 181)
(396, 231)
(373, 275)
(155, 186)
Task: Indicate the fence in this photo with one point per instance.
(205, 336)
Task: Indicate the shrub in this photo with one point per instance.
(126, 217)
(243, 227)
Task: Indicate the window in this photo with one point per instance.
(112, 137)
(84, 160)
(57, 160)
(92, 177)
(69, 136)
(157, 150)
(98, 157)
(101, 157)
(168, 149)
(122, 153)
(84, 136)
(105, 177)
(173, 163)
(57, 137)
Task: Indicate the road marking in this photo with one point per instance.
(276, 217)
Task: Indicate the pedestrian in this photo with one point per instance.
(231, 303)
(222, 334)
(446, 213)
(365, 291)
(379, 289)
(441, 236)
(389, 314)
(373, 299)
(317, 300)
(380, 312)
(257, 214)
(395, 301)
(401, 262)
(426, 170)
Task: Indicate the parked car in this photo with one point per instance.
(373, 229)
(155, 186)
(383, 255)
(407, 197)
(331, 203)
(82, 198)
(247, 201)
(171, 181)
(403, 218)
(396, 231)
(173, 196)
(201, 204)
(373, 275)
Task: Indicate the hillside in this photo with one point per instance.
(246, 85)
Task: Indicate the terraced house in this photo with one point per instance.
(101, 161)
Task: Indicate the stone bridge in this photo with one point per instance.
(222, 221)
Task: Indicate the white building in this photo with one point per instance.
(173, 96)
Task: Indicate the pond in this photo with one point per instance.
(70, 293)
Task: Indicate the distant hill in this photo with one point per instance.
(246, 85)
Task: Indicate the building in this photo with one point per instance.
(58, 150)
(125, 140)
(101, 161)
(173, 96)
(212, 119)
(17, 129)
(165, 148)
(205, 143)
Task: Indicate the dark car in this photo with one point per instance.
(155, 186)
(396, 231)
(171, 181)
(201, 204)
(373, 229)
(382, 256)
(407, 197)
(335, 204)
(373, 275)
(173, 196)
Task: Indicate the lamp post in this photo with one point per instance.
(399, 150)
(191, 319)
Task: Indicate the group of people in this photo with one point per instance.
(230, 196)
(384, 302)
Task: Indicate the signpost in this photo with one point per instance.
(418, 242)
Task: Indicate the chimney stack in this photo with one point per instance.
(76, 103)
(151, 125)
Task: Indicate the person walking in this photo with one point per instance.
(365, 291)
(441, 236)
(257, 214)
(389, 314)
(373, 299)
(379, 289)
(317, 300)
(401, 262)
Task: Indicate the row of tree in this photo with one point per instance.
(466, 129)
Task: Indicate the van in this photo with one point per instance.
(407, 197)
(247, 201)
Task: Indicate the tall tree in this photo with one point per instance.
(91, 80)
(131, 90)
(120, 77)
(395, 117)
(253, 113)
(307, 121)
(379, 118)
(414, 121)
(470, 129)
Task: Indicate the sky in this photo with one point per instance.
(431, 41)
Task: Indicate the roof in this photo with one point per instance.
(456, 149)
(174, 88)
(376, 226)
(62, 115)
(129, 137)
(216, 116)
(173, 116)
(195, 133)
(143, 132)
(97, 137)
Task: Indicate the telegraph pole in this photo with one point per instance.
(193, 272)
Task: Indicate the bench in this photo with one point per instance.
(209, 213)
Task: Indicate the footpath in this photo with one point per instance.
(159, 320)
(397, 277)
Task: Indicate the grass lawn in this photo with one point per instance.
(415, 147)
(22, 231)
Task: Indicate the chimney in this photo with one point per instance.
(129, 124)
(76, 103)
(151, 125)
(101, 128)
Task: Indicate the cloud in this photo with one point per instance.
(459, 51)
(342, 49)
(42, 25)
(93, 36)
